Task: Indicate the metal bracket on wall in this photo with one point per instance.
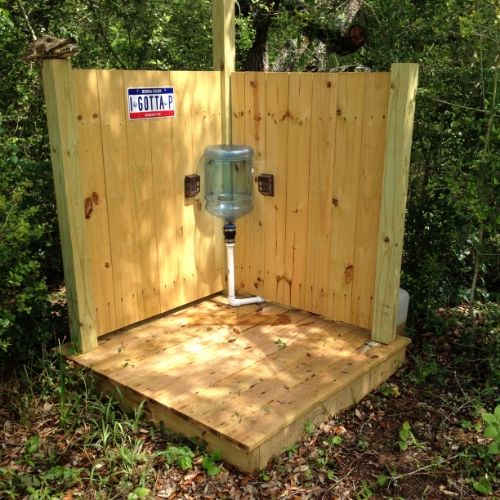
(265, 183)
(191, 185)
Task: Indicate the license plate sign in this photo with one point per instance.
(150, 102)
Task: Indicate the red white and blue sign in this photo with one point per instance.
(150, 102)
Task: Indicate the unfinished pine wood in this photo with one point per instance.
(165, 202)
(242, 249)
(121, 208)
(369, 196)
(224, 57)
(348, 140)
(147, 248)
(64, 149)
(95, 197)
(297, 197)
(243, 379)
(276, 137)
(321, 208)
(139, 149)
(205, 115)
(403, 86)
(255, 113)
(324, 138)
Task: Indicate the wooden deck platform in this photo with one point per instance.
(245, 380)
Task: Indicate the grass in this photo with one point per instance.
(86, 443)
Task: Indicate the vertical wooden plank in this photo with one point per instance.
(203, 85)
(60, 102)
(139, 149)
(299, 140)
(94, 193)
(323, 124)
(276, 164)
(224, 57)
(350, 100)
(165, 203)
(239, 137)
(369, 196)
(404, 78)
(255, 112)
(121, 207)
(182, 135)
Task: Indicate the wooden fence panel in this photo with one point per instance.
(150, 249)
(324, 140)
(94, 192)
(329, 241)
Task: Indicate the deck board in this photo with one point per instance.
(243, 379)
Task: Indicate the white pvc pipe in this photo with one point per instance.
(233, 301)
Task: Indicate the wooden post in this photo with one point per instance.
(401, 108)
(224, 56)
(61, 118)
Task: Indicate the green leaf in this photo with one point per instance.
(210, 466)
(139, 492)
(491, 431)
(382, 480)
(335, 440)
(497, 413)
(494, 448)
(483, 486)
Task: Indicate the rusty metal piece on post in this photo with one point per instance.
(265, 182)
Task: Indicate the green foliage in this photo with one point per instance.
(181, 456)
(138, 493)
(483, 486)
(407, 438)
(492, 430)
(209, 463)
(280, 343)
(365, 492)
(309, 428)
(335, 440)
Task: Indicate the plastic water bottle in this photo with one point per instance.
(228, 180)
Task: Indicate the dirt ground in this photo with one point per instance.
(418, 436)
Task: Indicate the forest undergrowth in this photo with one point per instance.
(431, 431)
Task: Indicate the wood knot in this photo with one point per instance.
(88, 206)
(335, 202)
(253, 84)
(95, 115)
(107, 264)
(348, 273)
(286, 115)
(339, 112)
(386, 239)
(79, 117)
(328, 84)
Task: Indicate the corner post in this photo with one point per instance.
(403, 87)
(63, 135)
(224, 56)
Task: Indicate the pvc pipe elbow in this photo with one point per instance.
(234, 302)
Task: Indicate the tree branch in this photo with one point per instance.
(26, 19)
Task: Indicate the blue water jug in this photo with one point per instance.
(228, 180)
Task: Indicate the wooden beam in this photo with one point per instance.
(404, 78)
(224, 57)
(61, 119)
